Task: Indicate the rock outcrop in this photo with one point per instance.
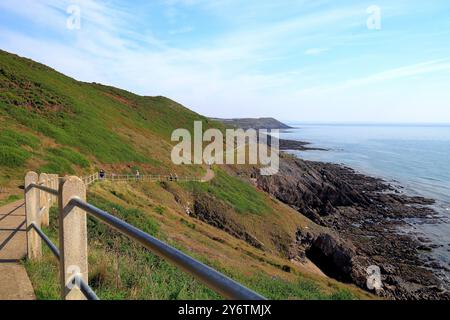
(363, 216)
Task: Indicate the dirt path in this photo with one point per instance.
(14, 281)
(209, 175)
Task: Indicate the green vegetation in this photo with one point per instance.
(60, 160)
(122, 269)
(104, 124)
(13, 157)
(52, 123)
(13, 139)
(160, 210)
(303, 289)
(238, 194)
(12, 153)
(10, 199)
(119, 267)
(71, 155)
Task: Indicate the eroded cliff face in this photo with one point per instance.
(215, 213)
(363, 215)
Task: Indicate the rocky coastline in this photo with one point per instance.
(361, 217)
(286, 145)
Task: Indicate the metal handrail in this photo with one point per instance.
(218, 282)
(215, 280)
(85, 289)
(45, 189)
(47, 241)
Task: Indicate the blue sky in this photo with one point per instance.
(290, 59)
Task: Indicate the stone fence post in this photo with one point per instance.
(32, 207)
(44, 200)
(72, 238)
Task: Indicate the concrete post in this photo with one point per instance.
(51, 185)
(44, 203)
(34, 246)
(72, 238)
(55, 186)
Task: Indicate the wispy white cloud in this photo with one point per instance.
(386, 76)
(315, 51)
(401, 73)
(256, 65)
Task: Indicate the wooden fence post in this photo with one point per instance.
(34, 246)
(72, 238)
(44, 203)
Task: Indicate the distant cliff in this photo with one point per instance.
(249, 123)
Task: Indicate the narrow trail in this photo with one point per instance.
(14, 281)
(210, 175)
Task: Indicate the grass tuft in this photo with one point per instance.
(13, 157)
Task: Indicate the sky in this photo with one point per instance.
(295, 60)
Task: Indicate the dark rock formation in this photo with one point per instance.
(296, 145)
(363, 215)
(214, 212)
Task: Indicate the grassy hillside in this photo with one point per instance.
(52, 123)
(42, 110)
(121, 269)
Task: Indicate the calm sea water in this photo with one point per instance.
(416, 157)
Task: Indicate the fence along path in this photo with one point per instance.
(88, 180)
(42, 192)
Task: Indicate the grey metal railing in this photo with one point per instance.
(70, 194)
(213, 279)
(88, 180)
(84, 287)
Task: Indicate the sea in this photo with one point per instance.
(415, 157)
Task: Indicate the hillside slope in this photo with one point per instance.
(42, 111)
(52, 123)
(253, 123)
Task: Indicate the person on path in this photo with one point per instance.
(137, 175)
